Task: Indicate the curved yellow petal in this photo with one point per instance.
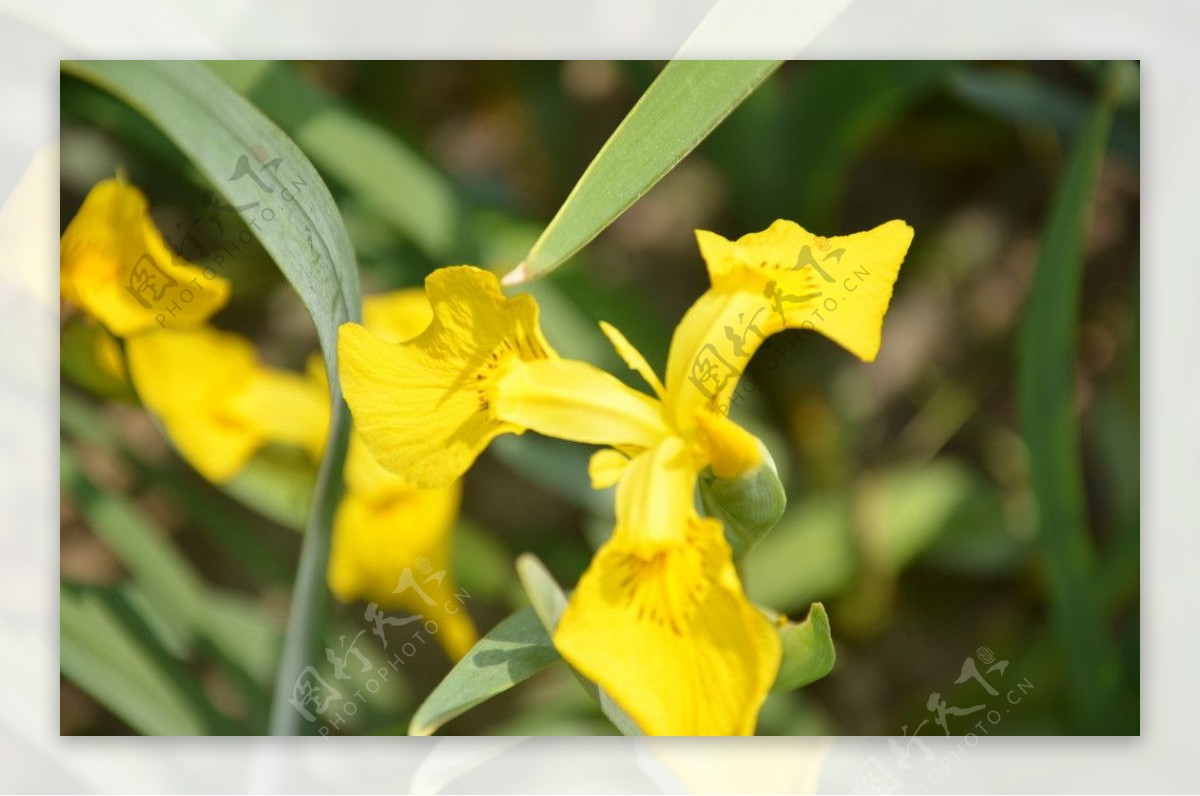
(423, 407)
(656, 494)
(287, 408)
(396, 553)
(605, 467)
(667, 632)
(730, 449)
(367, 478)
(711, 348)
(573, 400)
(397, 316)
(782, 277)
(115, 264)
(189, 379)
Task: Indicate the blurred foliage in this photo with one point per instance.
(913, 507)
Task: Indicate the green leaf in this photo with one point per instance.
(390, 179)
(1046, 380)
(809, 556)
(277, 485)
(109, 651)
(545, 595)
(677, 112)
(1024, 99)
(808, 653)
(173, 589)
(218, 131)
(515, 650)
(749, 506)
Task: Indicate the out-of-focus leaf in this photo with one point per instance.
(676, 113)
(1046, 381)
(808, 653)
(87, 355)
(109, 652)
(161, 573)
(218, 130)
(277, 485)
(514, 650)
(942, 510)
(808, 556)
(1023, 99)
(816, 122)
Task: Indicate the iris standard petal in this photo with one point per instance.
(423, 407)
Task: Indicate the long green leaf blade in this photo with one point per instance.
(218, 130)
(1048, 341)
(108, 649)
(683, 105)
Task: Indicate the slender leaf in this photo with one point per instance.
(1046, 376)
(515, 650)
(808, 653)
(107, 648)
(219, 131)
(166, 578)
(676, 113)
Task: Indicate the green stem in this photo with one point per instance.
(302, 644)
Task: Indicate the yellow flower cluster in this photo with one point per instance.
(220, 405)
(659, 619)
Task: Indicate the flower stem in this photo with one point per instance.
(306, 622)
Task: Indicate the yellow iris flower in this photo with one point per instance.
(115, 265)
(219, 404)
(385, 527)
(659, 619)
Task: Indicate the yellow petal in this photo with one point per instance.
(286, 408)
(632, 357)
(711, 348)
(396, 554)
(783, 277)
(656, 494)
(115, 264)
(188, 379)
(367, 478)
(573, 400)
(730, 449)
(423, 407)
(398, 316)
(666, 631)
(605, 467)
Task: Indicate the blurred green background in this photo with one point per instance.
(912, 502)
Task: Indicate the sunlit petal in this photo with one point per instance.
(115, 264)
(573, 400)
(423, 407)
(666, 631)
